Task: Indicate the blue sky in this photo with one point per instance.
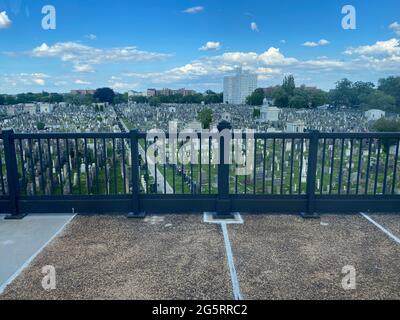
(134, 45)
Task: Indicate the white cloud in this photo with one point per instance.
(254, 26)
(91, 36)
(322, 42)
(211, 45)
(220, 65)
(282, 41)
(5, 21)
(380, 48)
(78, 81)
(395, 26)
(83, 68)
(194, 10)
(85, 57)
(39, 81)
(274, 57)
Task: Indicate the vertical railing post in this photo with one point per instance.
(12, 174)
(223, 202)
(311, 175)
(134, 146)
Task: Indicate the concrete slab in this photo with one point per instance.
(287, 257)
(104, 257)
(20, 241)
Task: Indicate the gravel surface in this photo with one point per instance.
(180, 257)
(286, 257)
(115, 258)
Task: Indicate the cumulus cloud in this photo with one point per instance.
(311, 44)
(395, 27)
(380, 48)
(211, 45)
(253, 26)
(265, 65)
(39, 81)
(193, 10)
(78, 81)
(5, 21)
(84, 57)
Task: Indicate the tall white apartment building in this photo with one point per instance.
(238, 87)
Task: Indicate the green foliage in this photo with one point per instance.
(350, 94)
(120, 98)
(281, 98)
(205, 116)
(378, 99)
(154, 101)
(40, 126)
(256, 113)
(256, 98)
(299, 100)
(387, 125)
(289, 85)
(104, 95)
(391, 86)
(2, 99)
(78, 99)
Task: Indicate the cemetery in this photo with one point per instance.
(94, 163)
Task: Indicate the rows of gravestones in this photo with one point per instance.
(145, 117)
(326, 120)
(359, 167)
(64, 118)
(51, 169)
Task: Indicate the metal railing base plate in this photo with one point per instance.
(136, 215)
(15, 217)
(214, 217)
(306, 215)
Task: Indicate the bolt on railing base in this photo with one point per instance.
(136, 215)
(15, 216)
(307, 215)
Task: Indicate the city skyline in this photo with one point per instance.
(193, 44)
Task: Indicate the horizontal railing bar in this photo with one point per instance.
(60, 135)
(358, 135)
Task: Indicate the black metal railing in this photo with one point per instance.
(92, 173)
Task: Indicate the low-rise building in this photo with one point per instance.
(296, 126)
(374, 114)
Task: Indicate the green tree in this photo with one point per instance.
(205, 116)
(2, 99)
(298, 101)
(40, 126)
(289, 85)
(154, 101)
(317, 97)
(378, 100)
(391, 86)
(281, 98)
(386, 125)
(256, 113)
(343, 94)
(256, 98)
(104, 95)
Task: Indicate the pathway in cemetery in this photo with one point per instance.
(152, 171)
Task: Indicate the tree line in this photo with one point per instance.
(355, 95)
(108, 95)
